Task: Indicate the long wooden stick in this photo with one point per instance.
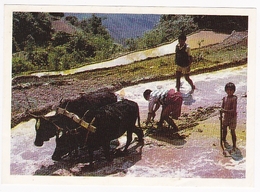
(221, 132)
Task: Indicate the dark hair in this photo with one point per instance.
(230, 86)
(147, 93)
(182, 37)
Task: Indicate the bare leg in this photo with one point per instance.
(234, 138)
(224, 134)
(178, 80)
(160, 123)
(187, 78)
(165, 117)
(171, 123)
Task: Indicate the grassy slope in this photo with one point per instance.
(164, 67)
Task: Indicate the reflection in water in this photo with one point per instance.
(187, 99)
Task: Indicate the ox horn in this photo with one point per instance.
(85, 113)
(92, 121)
(61, 99)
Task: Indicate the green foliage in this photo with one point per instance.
(117, 49)
(104, 48)
(46, 50)
(72, 20)
(198, 55)
(174, 25)
(168, 29)
(15, 46)
(229, 54)
(57, 14)
(39, 58)
(20, 65)
(131, 44)
(151, 39)
(82, 43)
(32, 26)
(94, 26)
(171, 26)
(57, 58)
(222, 23)
(37, 47)
(60, 38)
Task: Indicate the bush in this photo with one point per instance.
(39, 58)
(20, 65)
(55, 58)
(60, 38)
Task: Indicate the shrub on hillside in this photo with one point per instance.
(20, 65)
(39, 58)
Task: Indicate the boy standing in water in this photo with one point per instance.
(183, 60)
(229, 108)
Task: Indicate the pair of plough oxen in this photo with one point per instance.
(90, 121)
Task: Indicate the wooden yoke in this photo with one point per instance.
(75, 118)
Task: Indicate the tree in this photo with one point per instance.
(168, 29)
(60, 38)
(72, 20)
(131, 44)
(43, 30)
(222, 23)
(151, 39)
(55, 58)
(57, 14)
(173, 25)
(103, 48)
(94, 25)
(82, 43)
(36, 25)
(23, 24)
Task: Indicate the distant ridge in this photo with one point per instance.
(124, 26)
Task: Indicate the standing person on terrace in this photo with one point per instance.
(183, 60)
(229, 108)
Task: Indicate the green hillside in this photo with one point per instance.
(56, 42)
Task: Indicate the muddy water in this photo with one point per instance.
(209, 89)
(196, 156)
(199, 155)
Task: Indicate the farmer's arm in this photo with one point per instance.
(152, 108)
(222, 104)
(157, 106)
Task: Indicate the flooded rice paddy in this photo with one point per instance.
(197, 155)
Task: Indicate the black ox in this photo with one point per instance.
(48, 127)
(111, 122)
